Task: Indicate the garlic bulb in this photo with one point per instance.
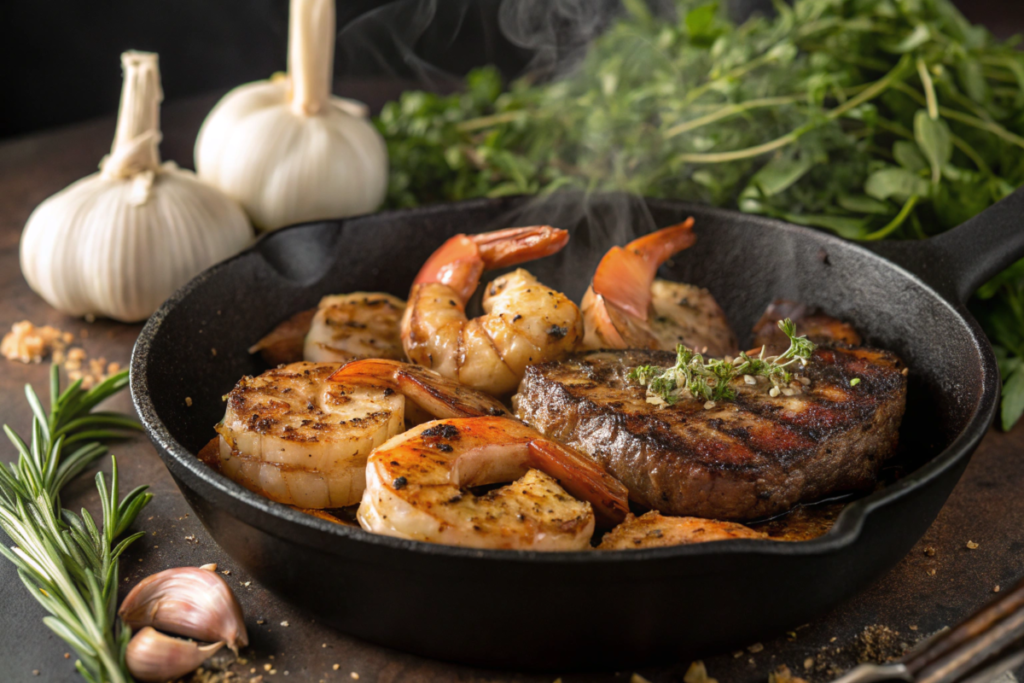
(156, 657)
(189, 601)
(119, 242)
(288, 150)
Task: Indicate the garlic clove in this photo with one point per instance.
(152, 656)
(187, 601)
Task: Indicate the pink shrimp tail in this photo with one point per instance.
(624, 276)
(583, 478)
(460, 261)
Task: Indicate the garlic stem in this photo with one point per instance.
(311, 28)
(137, 139)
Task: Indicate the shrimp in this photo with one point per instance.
(342, 327)
(417, 487)
(654, 530)
(300, 434)
(524, 322)
(626, 307)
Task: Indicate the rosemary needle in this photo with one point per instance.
(68, 563)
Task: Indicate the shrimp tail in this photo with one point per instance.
(624, 276)
(459, 262)
(439, 396)
(583, 478)
(284, 343)
(510, 247)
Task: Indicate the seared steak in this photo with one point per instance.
(748, 459)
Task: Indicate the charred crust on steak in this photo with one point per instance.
(747, 459)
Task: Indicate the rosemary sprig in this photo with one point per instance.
(710, 380)
(68, 563)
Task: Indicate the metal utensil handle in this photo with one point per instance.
(990, 635)
(960, 260)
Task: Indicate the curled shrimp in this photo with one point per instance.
(626, 307)
(300, 434)
(524, 322)
(417, 487)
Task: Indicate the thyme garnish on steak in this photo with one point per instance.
(710, 380)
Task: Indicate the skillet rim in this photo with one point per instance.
(845, 532)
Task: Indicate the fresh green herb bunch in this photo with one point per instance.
(870, 118)
(710, 380)
(68, 563)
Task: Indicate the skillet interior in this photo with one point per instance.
(556, 610)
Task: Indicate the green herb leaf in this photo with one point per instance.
(779, 174)
(895, 183)
(1013, 395)
(908, 155)
(935, 141)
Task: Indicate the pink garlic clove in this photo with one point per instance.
(187, 601)
(154, 657)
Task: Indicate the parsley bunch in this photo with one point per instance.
(710, 380)
(873, 119)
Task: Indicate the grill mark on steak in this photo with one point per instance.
(748, 459)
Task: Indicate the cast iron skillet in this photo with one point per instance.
(594, 609)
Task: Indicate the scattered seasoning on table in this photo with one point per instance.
(188, 401)
(971, 545)
(755, 648)
(285, 624)
(698, 673)
(929, 551)
(996, 589)
(784, 675)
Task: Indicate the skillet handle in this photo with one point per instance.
(959, 261)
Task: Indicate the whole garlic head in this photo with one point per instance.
(288, 150)
(119, 242)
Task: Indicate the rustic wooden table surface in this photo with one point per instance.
(924, 592)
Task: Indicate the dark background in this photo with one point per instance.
(60, 59)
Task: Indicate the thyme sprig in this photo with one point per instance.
(68, 563)
(711, 379)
